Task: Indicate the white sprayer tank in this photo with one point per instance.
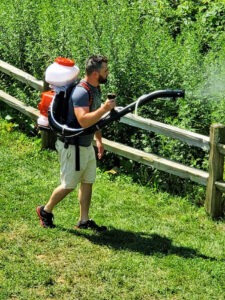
(62, 72)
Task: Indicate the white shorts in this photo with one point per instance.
(67, 157)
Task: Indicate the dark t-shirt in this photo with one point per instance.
(80, 98)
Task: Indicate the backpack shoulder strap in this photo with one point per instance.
(87, 87)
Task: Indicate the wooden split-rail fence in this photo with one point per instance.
(215, 144)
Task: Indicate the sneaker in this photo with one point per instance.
(46, 219)
(90, 224)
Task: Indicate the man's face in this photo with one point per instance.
(103, 74)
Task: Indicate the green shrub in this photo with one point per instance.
(151, 45)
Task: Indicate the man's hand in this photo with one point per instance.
(109, 104)
(99, 145)
(100, 149)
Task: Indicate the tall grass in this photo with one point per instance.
(151, 45)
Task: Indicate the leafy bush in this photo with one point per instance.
(151, 45)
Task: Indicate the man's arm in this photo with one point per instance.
(87, 118)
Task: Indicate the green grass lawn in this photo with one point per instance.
(158, 246)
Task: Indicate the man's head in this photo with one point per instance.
(97, 66)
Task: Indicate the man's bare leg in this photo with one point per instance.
(58, 194)
(85, 193)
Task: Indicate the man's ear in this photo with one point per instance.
(95, 74)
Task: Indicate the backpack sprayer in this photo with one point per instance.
(61, 76)
(68, 68)
(114, 115)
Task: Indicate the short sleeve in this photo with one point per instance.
(80, 97)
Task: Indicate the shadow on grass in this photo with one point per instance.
(146, 244)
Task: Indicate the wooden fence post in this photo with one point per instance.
(48, 139)
(213, 203)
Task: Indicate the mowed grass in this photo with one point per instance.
(158, 246)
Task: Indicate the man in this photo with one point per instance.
(83, 114)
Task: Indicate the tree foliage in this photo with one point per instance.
(151, 45)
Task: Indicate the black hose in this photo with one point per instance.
(115, 115)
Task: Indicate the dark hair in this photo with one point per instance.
(94, 63)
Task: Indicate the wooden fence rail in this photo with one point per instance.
(215, 144)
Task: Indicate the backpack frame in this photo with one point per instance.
(58, 110)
